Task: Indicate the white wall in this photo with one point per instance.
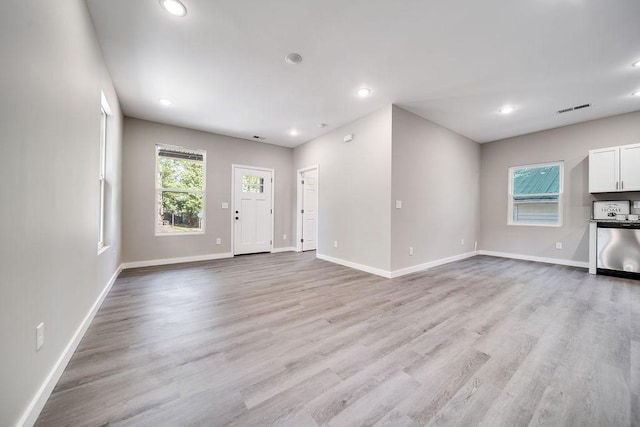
(140, 137)
(51, 77)
(354, 190)
(571, 144)
(436, 175)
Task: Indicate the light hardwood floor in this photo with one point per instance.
(286, 339)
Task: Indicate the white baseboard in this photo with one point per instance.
(361, 267)
(166, 261)
(431, 264)
(397, 273)
(558, 261)
(30, 415)
(278, 250)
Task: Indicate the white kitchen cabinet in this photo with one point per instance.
(614, 169)
(630, 167)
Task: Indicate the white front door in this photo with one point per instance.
(309, 209)
(252, 210)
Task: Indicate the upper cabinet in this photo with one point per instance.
(614, 169)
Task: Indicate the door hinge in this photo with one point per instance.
(302, 182)
(301, 240)
(271, 179)
(271, 242)
(271, 210)
(301, 211)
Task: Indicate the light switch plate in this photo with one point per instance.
(225, 205)
(398, 204)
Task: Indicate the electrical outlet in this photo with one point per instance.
(410, 250)
(284, 237)
(335, 244)
(462, 241)
(558, 245)
(225, 205)
(218, 241)
(398, 204)
(39, 336)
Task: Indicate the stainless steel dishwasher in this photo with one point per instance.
(618, 249)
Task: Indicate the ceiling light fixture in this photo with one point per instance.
(165, 102)
(174, 7)
(507, 109)
(364, 91)
(636, 93)
(636, 64)
(293, 132)
(293, 58)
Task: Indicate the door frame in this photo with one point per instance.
(299, 205)
(233, 201)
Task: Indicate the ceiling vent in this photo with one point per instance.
(576, 108)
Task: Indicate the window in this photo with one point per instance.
(105, 112)
(180, 185)
(252, 184)
(535, 194)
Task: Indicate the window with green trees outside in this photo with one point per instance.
(180, 185)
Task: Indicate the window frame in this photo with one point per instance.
(105, 113)
(159, 190)
(560, 194)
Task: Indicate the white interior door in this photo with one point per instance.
(252, 210)
(309, 209)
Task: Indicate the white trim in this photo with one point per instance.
(30, 415)
(593, 247)
(299, 195)
(233, 201)
(432, 264)
(288, 249)
(557, 261)
(167, 261)
(361, 267)
(559, 163)
(159, 191)
(105, 104)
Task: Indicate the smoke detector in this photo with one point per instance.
(293, 58)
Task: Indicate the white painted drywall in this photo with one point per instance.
(570, 144)
(140, 137)
(436, 175)
(354, 189)
(51, 78)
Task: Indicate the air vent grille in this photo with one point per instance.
(577, 107)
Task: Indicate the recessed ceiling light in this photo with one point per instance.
(507, 109)
(174, 7)
(293, 58)
(164, 101)
(363, 91)
(636, 93)
(636, 64)
(293, 132)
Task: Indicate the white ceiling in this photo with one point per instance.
(454, 62)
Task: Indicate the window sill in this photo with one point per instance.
(530, 224)
(191, 233)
